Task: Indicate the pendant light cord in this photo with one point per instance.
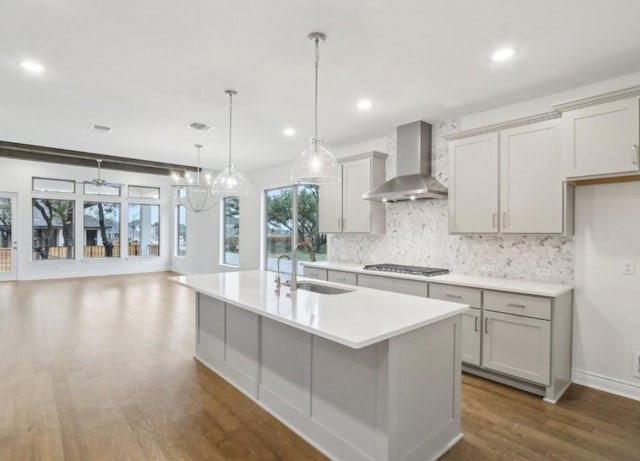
(230, 119)
(315, 138)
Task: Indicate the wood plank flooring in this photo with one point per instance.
(101, 368)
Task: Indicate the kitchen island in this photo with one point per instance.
(362, 375)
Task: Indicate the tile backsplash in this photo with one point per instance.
(417, 234)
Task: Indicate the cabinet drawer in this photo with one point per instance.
(349, 278)
(512, 303)
(314, 273)
(465, 295)
(398, 285)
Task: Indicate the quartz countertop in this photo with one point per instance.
(551, 290)
(356, 319)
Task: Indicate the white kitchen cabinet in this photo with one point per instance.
(531, 182)
(518, 346)
(509, 182)
(602, 139)
(471, 322)
(473, 184)
(342, 208)
(397, 285)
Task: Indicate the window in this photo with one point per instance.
(231, 231)
(101, 230)
(144, 192)
(53, 185)
(279, 224)
(53, 229)
(181, 230)
(144, 230)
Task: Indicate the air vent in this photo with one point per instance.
(100, 128)
(200, 126)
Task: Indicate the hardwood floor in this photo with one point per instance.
(102, 368)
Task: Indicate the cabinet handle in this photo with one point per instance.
(486, 325)
(339, 223)
(495, 220)
(476, 323)
(504, 219)
(453, 296)
(344, 224)
(516, 305)
(635, 158)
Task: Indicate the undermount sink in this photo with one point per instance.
(322, 289)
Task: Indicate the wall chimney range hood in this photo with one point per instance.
(413, 179)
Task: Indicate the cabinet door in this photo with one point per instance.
(531, 183)
(473, 185)
(330, 208)
(471, 337)
(602, 139)
(356, 211)
(518, 346)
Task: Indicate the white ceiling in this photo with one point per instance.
(148, 67)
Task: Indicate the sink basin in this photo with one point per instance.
(322, 289)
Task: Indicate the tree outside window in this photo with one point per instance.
(101, 230)
(231, 231)
(53, 231)
(279, 225)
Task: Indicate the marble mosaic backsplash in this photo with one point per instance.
(417, 234)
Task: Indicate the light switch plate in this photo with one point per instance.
(629, 267)
(543, 272)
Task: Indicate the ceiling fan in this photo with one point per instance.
(99, 182)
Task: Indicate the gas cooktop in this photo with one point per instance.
(402, 269)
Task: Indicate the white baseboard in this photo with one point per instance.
(607, 384)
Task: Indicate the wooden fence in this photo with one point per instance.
(5, 259)
(98, 251)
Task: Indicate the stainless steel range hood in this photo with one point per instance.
(413, 168)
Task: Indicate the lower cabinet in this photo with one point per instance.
(518, 346)
(471, 322)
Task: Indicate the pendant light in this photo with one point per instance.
(230, 183)
(197, 195)
(315, 165)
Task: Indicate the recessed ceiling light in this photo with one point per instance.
(503, 54)
(364, 104)
(288, 131)
(33, 67)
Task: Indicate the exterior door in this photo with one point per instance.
(8, 236)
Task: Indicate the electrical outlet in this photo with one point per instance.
(629, 267)
(635, 370)
(543, 272)
(488, 268)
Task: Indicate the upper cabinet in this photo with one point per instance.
(531, 182)
(342, 208)
(473, 184)
(602, 139)
(509, 182)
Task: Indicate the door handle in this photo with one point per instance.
(476, 323)
(486, 324)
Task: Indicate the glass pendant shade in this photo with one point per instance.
(230, 183)
(315, 165)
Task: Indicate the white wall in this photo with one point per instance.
(15, 176)
(607, 302)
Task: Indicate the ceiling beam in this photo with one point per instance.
(88, 159)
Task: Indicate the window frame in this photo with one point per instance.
(84, 230)
(40, 191)
(177, 230)
(223, 232)
(73, 201)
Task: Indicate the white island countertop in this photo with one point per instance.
(551, 290)
(356, 319)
